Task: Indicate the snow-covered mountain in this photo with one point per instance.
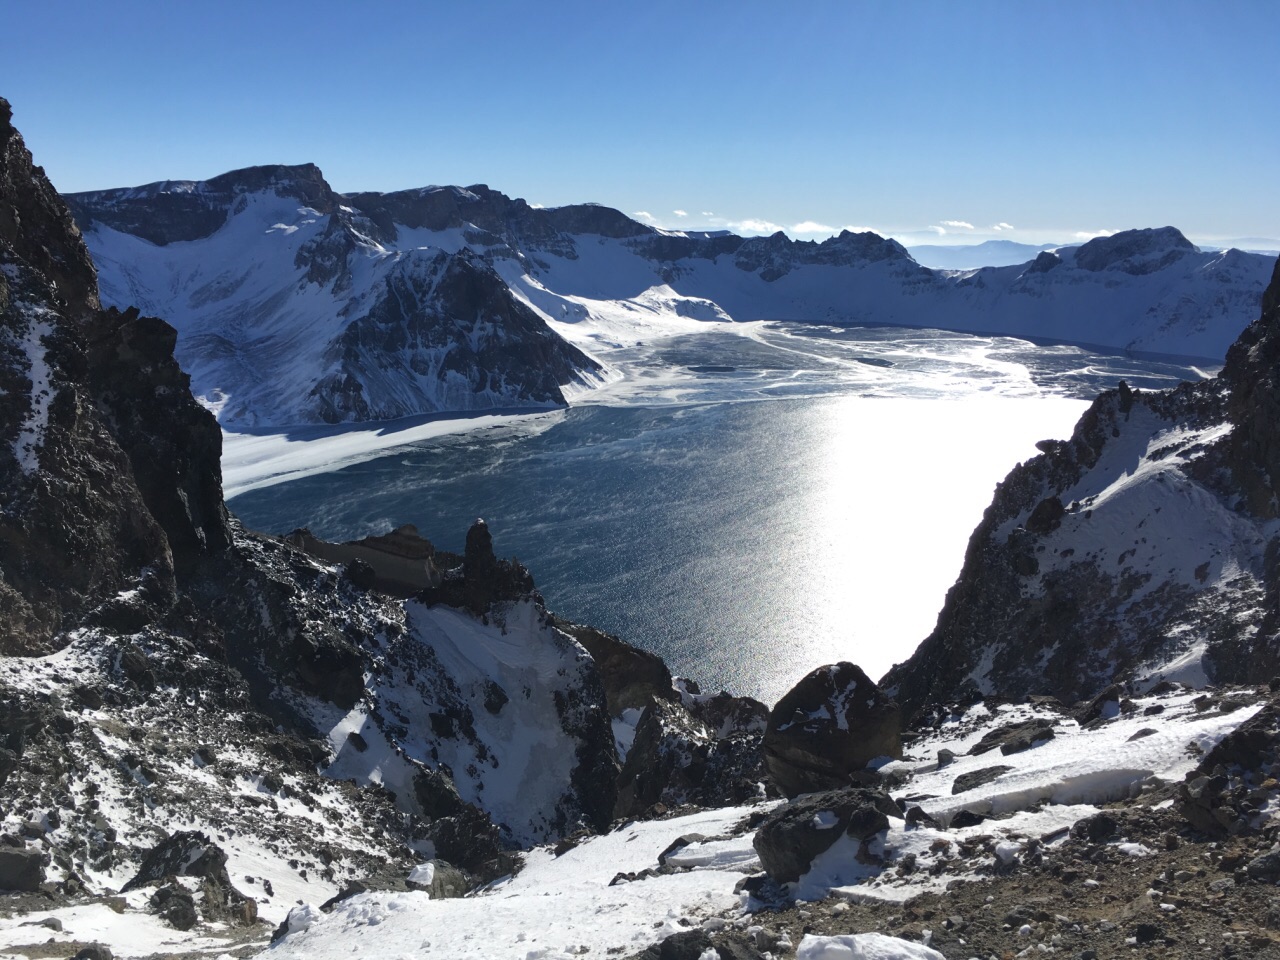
(294, 303)
(289, 309)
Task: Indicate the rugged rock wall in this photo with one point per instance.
(1143, 547)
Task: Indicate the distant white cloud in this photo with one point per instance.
(754, 226)
(537, 206)
(940, 231)
(1002, 226)
(957, 224)
(852, 229)
(680, 213)
(707, 213)
(812, 226)
(1091, 234)
(646, 216)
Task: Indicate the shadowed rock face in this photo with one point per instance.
(1138, 547)
(109, 475)
(35, 226)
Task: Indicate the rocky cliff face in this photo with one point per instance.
(109, 478)
(1145, 547)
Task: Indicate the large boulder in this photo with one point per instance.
(828, 726)
(794, 834)
(190, 853)
(187, 853)
(21, 868)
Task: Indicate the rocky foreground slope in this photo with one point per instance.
(294, 303)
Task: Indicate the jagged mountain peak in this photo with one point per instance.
(171, 211)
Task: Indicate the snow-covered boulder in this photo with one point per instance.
(794, 834)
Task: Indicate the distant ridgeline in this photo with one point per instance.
(297, 304)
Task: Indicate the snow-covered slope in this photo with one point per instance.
(295, 303)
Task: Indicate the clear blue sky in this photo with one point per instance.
(1055, 118)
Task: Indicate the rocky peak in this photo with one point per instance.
(109, 477)
(1252, 372)
(481, 580)
(1135, 251)
(35, 225)
(178, 210)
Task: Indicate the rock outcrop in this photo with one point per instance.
(1140, 549)
(675, 759)
(109, 482)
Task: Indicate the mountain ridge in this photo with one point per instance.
(263, 270)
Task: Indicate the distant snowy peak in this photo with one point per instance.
(1135, 252)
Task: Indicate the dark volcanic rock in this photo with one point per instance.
(482, 579)
(832, 723)
(1014, 737)
(976, 778)
(185, 854)
(633, 678)
(98, 425)
(794, 834)
(37, 228)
